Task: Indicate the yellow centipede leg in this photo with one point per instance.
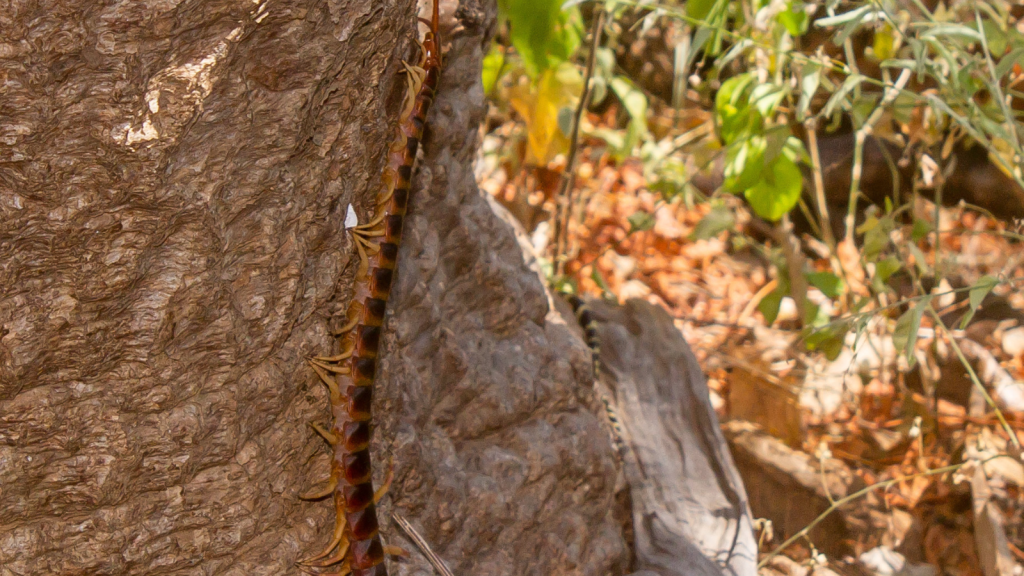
(338, 358)
(352, 321)
(332, 485)
(337, 557)
(344, 571)
(367, 234)
(418, 74)
(371, 248)
(332, 386)
(386, 485)
(386, 196)
(338, 541)
(371, 224)
(365, 249)
(396, 551)
(364, 260)
(329, 368)
(327, 435)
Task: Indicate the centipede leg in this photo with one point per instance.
(338, 358)
(338, 541)
(391, 550)
(332, 386)
(371, 224)
(386, 485)
(329, 368)
(331, 439)
(364, 259)
(344, 571)
(386, 197)
(337, 557)
(352, 321)
(365, 248)
(325, 492)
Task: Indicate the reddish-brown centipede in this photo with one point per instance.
(356, 544)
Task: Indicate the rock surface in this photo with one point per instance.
(173, 181)
(689, 507)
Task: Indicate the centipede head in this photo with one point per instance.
(432, 39)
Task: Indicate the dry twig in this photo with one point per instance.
(563, 212)
(420, 543)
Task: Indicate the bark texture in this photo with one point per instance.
(174, 178)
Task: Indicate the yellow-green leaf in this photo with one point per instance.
(540, 103)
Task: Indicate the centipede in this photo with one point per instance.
(588, 322)
(355, 547)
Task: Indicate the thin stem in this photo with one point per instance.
(569, 175)
(891, 92)
(974, 377)
(996, 88)
(846, 500)
(819, 184)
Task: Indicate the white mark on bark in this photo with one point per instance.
(351, 219)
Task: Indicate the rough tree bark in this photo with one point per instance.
(174, 178)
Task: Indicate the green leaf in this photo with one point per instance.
(884, 269)
(904, 337)
(598, 279)
(736, 118)
(598, 91)
(699, 9)
(778, 191)
(830, 338)
(876, 236)
(851, 82)
(829, 284)
(1016, 56)
(814, 315)
(769, 306)
(920, 230)
(542, 33)
(884, 43)
(565, 118)
(766, 97)
(492, 65)
(540, 104)
(794, 19)
(920, 262)
(633, 100)
(640, 221)
(635, 103)
(809, 83)
(718, 220)
(948, 30)
(744, 163)
(977, 295)
(845, 18)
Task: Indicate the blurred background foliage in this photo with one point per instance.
(830, 169)
(765, 77)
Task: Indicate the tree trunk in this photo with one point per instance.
(174, 179)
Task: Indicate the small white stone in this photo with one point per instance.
(1013, 342)
(787, 310)
(883, 561)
